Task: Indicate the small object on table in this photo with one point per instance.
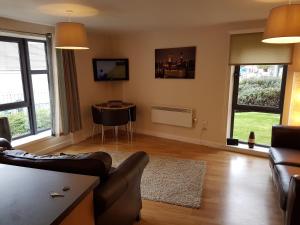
(66, 188)
(55, 195)
(251, 140)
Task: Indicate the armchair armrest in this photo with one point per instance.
(5, 144)
(126, 176)
(293, 204)
(286, 136)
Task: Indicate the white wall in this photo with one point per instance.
(207, 94)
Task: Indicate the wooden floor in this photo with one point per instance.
(238, 189)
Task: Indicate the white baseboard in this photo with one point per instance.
(203, 143)
(180, 138)
(69, 141)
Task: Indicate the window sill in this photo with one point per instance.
(243, 148)
(31, 139)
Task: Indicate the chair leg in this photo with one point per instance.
(117, 132)
(102, 132)
(93, 132)
(131, 131)
(138, 217)
(127, 131)
(99, 131)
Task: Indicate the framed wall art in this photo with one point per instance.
(176, 63)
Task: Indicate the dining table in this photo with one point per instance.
(120, 105)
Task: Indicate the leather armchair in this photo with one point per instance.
(285, 166)
(118, 196)
(293, 204)
(285, 146)
(286, 137)
(117, 199)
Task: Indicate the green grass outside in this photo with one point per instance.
(260, 123)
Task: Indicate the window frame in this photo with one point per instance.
(26, 73)
(248, 108)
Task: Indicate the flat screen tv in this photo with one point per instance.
(110, 69)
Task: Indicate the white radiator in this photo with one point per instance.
(182, 117)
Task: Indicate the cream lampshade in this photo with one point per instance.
(70, 35)
(283, 25)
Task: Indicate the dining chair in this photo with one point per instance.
(97, 119)
(115, 118)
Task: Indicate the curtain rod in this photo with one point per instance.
(22, 32)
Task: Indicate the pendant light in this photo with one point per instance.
(70, 35)
(283, 25)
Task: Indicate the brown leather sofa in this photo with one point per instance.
(117, 199)
(285, 166)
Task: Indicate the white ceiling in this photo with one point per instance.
(117, 15)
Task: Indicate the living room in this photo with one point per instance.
(203, 171)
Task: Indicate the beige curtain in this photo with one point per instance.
(69, 98)
(51, 82)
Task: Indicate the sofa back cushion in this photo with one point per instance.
(94, 164)
(286, 136)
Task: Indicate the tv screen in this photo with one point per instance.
(110, 69)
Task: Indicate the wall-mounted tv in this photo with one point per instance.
(110, 69)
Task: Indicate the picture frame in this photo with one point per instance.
(175, 63)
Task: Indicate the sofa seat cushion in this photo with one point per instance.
(286, 156)
(94, 164)
(282, 177)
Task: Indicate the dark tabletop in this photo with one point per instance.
(115, 105)
(25, 199)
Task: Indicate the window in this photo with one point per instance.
(24, 86)
(257, 101)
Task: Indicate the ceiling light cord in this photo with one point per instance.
(69, 15)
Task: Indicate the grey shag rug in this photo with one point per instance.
(170, 180)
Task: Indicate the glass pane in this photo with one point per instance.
(11, 85)
(260, 85)
(37, 55)
(18, 121)
(41, 101)
(260, 123)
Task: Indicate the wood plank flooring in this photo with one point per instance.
(238, 189)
